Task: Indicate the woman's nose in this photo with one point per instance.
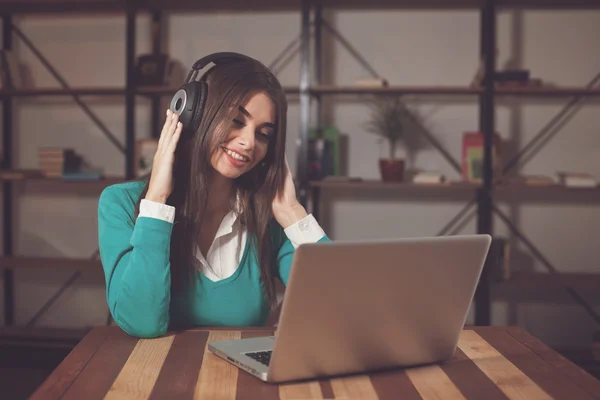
(246, 137)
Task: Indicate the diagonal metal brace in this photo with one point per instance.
(547, 130)
(538, 254)
(58, 293)
(64, 84)
(351, 49)
(460, 215)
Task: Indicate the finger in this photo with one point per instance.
(165, 128)
(174, 119)
(175, 137)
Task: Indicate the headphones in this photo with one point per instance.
(188, 102)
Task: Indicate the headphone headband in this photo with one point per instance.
(188, 102)
(216, 58)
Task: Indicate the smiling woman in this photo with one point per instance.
(203, 238)
(248, 140)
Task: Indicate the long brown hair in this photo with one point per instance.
(229, 86)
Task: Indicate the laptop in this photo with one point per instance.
(363, 306)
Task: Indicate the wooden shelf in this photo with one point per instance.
(548, 92)
(521, 188)
(24, 177)
(25, 262)
(44, 6)
(541, 280)
(318, 90)
(41, 336)
(389, 90)
(374, 184)
(291, 5)
(162, 90)
(33, 92)
(501, 191)
(110, 6)
(42, 332)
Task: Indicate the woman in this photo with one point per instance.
(202, 240)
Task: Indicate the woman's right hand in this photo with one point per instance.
(161, 178)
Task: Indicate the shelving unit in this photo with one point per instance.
(310, 92)
(487, 193)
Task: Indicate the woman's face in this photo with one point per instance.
(248, 139)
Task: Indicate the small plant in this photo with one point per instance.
(394, 121)
(389, 119)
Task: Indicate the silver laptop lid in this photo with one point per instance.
(367, 305)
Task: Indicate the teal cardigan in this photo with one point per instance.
(135, 256)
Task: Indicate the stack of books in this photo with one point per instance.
(54, 162)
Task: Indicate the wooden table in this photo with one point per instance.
(491, 363)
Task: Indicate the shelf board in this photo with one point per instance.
(295, 5)
(109, 6)
(390, 90)
(318, 90)
(42, 336)
(549, 189)
(90, 91)
(29, 176)
(51, 6)
(163, 90)
(543, 193)
(26, 262)
(548, 92)
(541, 280)
(38, 332)
(374, 184)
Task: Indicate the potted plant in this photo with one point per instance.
(395, 122)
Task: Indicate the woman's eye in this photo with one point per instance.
(238, 122)
(265, 135)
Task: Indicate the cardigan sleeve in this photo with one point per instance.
(135, 257)
(306, 230)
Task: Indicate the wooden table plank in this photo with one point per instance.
(432, 383)
(510, 379)
(543, 374)
(248, 386)
(491, 363)
(563, 365)
(139, 374)
(469, 379)
(217, 379)
(300, 390)
(179, 374)
(388, 384)
(67, 371)
(100, 372)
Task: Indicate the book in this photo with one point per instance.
(472, 156)
(428, 177)
(576, 179)
(323, 153)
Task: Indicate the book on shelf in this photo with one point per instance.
(499, 258)
(371, 82)
(576, 179)
(532, 180)
(323, 153)
(55, 161)
(17, 174)
(428, 178)
(472, 156)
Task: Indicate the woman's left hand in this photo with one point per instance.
(287, 210)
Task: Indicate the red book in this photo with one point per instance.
(472, 156)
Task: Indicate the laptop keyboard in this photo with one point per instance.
(263, 357)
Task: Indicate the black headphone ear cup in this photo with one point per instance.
(182, 103)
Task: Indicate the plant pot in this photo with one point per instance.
(391, 170)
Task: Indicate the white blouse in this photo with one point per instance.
(225, 252)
